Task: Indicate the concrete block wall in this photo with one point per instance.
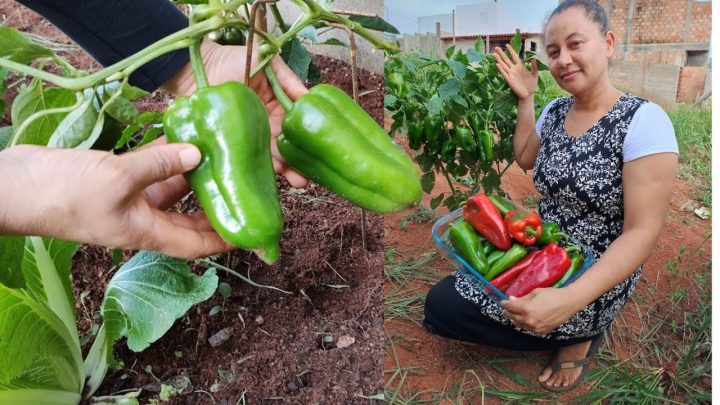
(656, 82)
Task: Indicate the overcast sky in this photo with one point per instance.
(403, 14)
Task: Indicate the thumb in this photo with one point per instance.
(156, 163)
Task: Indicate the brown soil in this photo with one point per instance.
(445, 367)
(276, 352)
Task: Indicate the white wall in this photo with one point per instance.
(427, 23)
(476, 19)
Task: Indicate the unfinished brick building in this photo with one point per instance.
(662, 32)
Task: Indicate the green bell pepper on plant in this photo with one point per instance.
(333, 141)
(432, 128)
(486, 142)
(447, 151)
(235, 181)
(464, 240)
(415, 135)
(464, 139)
(396, 82)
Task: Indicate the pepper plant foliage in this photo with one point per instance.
(447, 107)
(41, 360)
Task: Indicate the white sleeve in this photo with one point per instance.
(539, 123)
(649, 132)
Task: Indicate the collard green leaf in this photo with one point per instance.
(374, 23)
(297, 57)
(16, 47)
(147, 294)
(35, 98)
(40, 356)
(12, 249)
(46, 269)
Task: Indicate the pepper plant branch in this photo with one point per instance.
(196, 62)
(284, 100)
(450, 183)
(179, 39)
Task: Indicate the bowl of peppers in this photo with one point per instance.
(506, 250)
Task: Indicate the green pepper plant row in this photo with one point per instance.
(458, 114)
(344, 150)
(512, 248)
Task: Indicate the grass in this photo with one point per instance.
(693, 130)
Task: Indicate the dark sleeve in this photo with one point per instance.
(111, 30)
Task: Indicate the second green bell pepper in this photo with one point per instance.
(333, 141)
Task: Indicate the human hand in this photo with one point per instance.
(522, 82)
(541, 311)
(95, 197)
(224, 63)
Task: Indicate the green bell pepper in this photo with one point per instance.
(464, 240)
(415, 135)
(396, 82)
(510, 257)
(432, 127)
(486, 142)
(551, 233)
(447, 150)
(333, 141)
(464, 139)
(235, 181)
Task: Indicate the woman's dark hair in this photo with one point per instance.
(593, 10)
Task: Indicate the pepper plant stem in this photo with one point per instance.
(198, 68)
(284, 100)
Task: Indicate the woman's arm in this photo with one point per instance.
(647, 187)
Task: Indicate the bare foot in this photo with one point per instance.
(567, 376)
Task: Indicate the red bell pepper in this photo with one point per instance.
(502, 281)
(525, 227)
(484, 216)
(545, 269)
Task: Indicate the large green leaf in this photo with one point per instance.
(46, 269)
(374, 23)
(76, 127)
(5, 136)
(39, 354)
(15, 46)
(35, 98)
(12, 249)
(297, 57)
(148, 293)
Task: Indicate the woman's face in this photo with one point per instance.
(578, 52)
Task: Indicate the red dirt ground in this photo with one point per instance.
(444, 362)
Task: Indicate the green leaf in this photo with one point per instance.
(479, 45)
(34, 98)
(541, 66)
(124, 111)
(16, 47)
(450, 52)
(516, 42)
(150, 135)
(3, 89)
(76, 127)
(6, 134)
(147, 294)
(435, 105)
(425, 161)
(297, 57)
(41, 361)
(126, 135)
(475, 56)
(116, 256)
(390, 100)
(374, 23)
(132, 93)
(225, 290)
(12, 249)
(190, 1)
(46, 269)
(333, 41)
(309, 32)
(435, 202)
(449, 89)
(460, 100)
(428, 181)
(458, 68)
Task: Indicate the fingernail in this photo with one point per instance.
(190, 157)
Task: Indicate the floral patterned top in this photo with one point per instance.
(580, 182)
